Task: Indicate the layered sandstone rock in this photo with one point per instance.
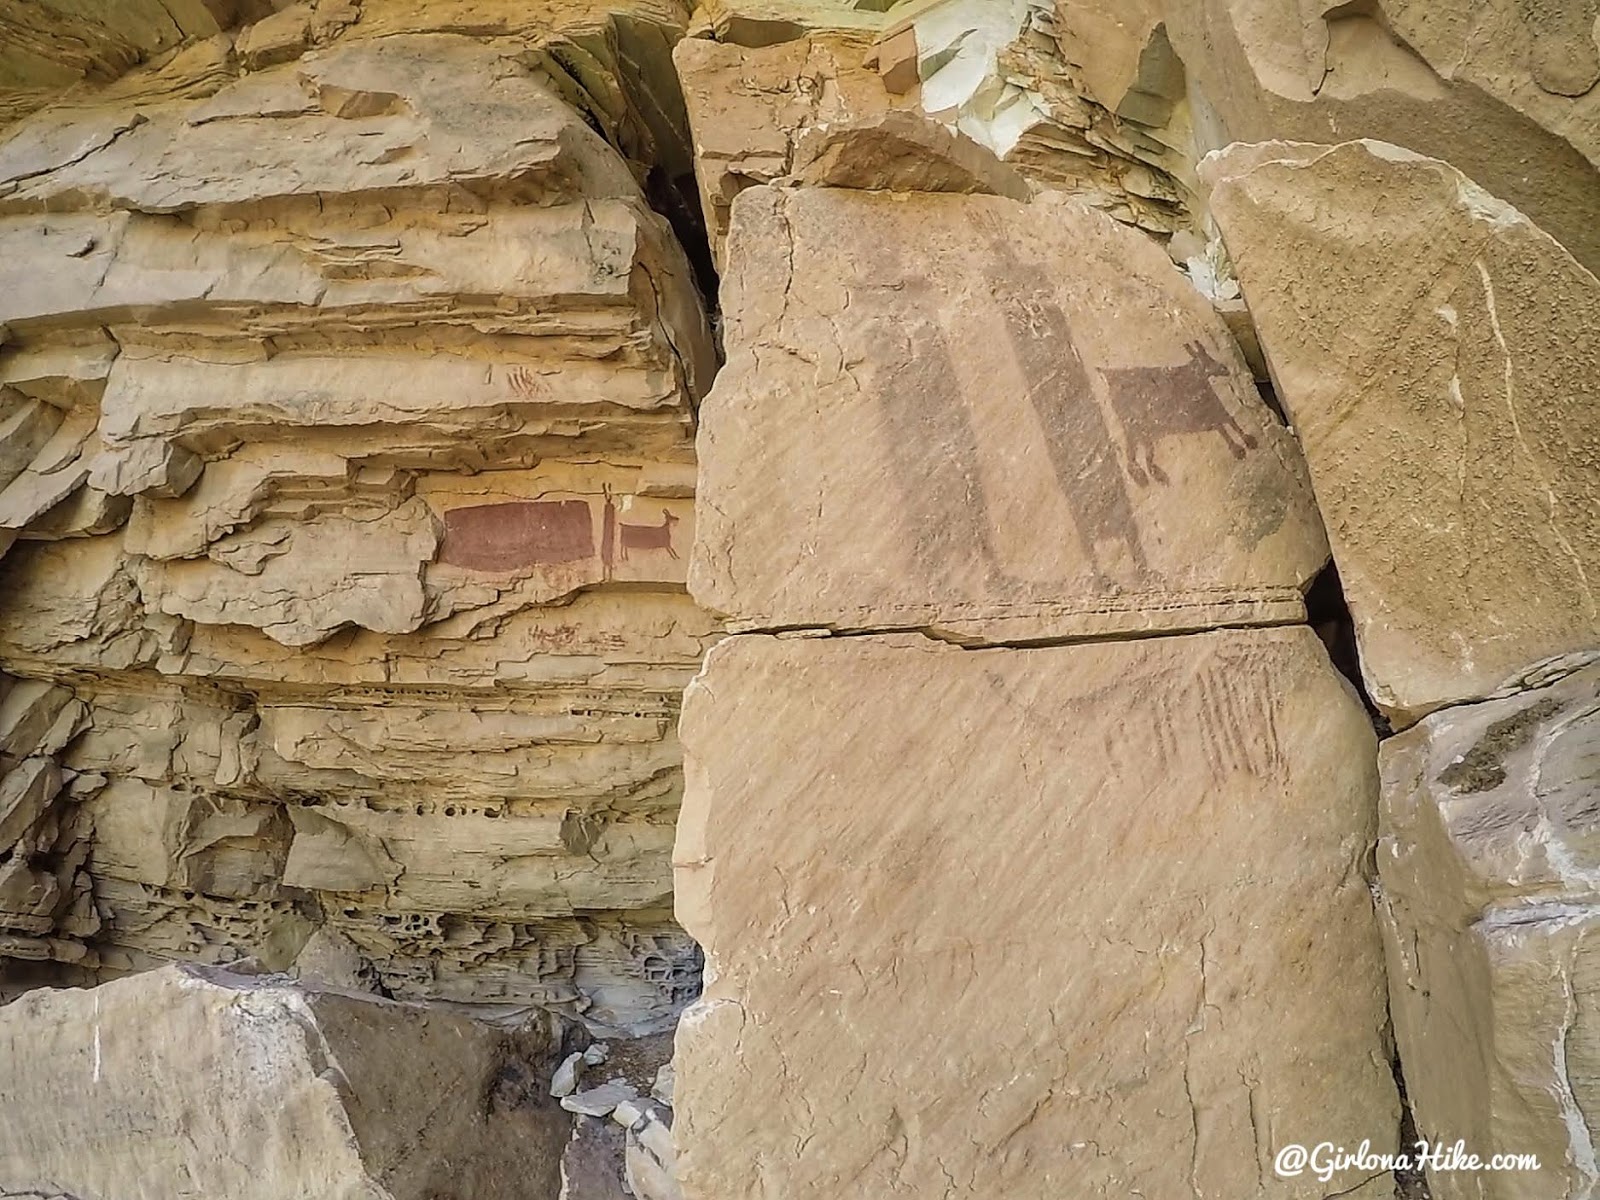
(1490, 862)
(350, 353)
(54, 45)
(953, 436)
(1127, 877)
(181, 1082)
(988, 71)
(611, 60)
(1440, 376)
(994, 71)
(348, 450)
(1500, 90)
(46, 900)
(1116, 102)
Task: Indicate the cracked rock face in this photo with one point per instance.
(1128, 877)
(988, 69)
(1449, 411)
(47, 909)
(954, 436)
(346, 454)
(54, 44)
(1540, 57)
(1457, 82)
(366, 506)
(224, 1085)
(1490, 864)
(1131, 875)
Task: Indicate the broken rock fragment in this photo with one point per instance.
(181, 1081)
(1440, 375)
(599, 1101)
(901, 151)
(146, 465)
(1490, 864)
(748, 106)
(982, 68)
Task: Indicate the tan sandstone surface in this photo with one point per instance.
(1157, 845)
(348, 457)
(366, 505)
(1490, 862)
(183, 1082)
(1501, 89)
(953, 436)
(1450, 417)
(988, 71)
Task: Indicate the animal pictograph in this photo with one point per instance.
(520, 534)
(1155, 402)
(925, 406)
(648, 537)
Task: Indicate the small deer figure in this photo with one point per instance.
(649, 537)
(1153, 402)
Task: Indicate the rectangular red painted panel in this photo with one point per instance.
(521, 533)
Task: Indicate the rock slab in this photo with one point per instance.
(1084, 921)
(1443, 374)
(987, 418)
(181, 1082)
(1490, 865)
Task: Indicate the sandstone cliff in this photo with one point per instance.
(1119, 483)
(349, 438)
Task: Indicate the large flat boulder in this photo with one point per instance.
(1086, 921)
(1003, 421)
(1490, 864)
(179, 1082)
(1435, 352)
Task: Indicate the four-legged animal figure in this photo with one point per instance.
(1153, 402)
(649, 537)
